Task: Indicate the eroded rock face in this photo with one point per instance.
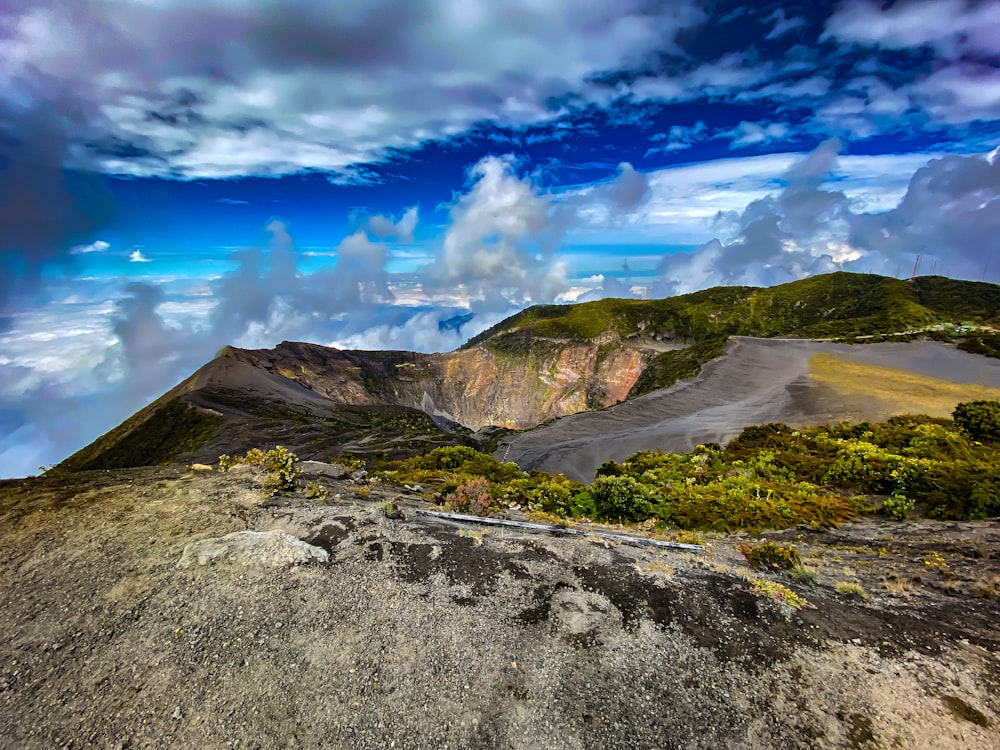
(475, 387)
(272, 549)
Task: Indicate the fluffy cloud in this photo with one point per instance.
(953, 27)
(97, 246)
(220, 88)
(753, 133)
(501, 238)
(950, 212)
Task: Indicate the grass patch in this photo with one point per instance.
(770, 555)
(851, 590)
(896, 389)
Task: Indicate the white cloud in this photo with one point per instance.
(679, 138)
(218, 89)
(501, 238)
(753, 133)
(97, 246)
(136, 256)
(952, 27)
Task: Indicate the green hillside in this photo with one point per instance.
(837, 305)
(832, 305)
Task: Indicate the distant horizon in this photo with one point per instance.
(175, 176)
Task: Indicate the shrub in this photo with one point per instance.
(777, 592)
(770, 555)
(689, 537)
(280, 464)
(741, 503)
(316, 491)
(620, 499)
(897, 506)
(608, 469)
(980, 420)
(472, 497)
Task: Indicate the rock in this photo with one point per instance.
(200, 467)
(334, 471)
(274, 549)
(360, 476)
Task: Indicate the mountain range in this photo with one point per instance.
(544, 363)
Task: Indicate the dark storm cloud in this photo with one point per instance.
(45, 210)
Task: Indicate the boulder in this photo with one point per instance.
(272, 549)
(334, 471)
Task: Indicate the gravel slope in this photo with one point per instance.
(419, 634)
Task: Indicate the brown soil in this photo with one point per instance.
(421, 633)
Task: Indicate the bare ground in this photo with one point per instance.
(419, 633)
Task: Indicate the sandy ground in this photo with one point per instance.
(756, 381)
(421, 634)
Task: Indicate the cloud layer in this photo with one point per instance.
(220, 88)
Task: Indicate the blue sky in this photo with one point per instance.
(179, 175)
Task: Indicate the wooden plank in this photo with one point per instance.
(561, 530)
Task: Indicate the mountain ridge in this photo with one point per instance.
(542, 363)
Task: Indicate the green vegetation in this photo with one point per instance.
(851, 590)
(840, 305)
(836, 305)
(980, 420)
(771, 555)
(777, 592)
(987, 344)
(315, 491)
(154, 435)
(680, 364)
(280, 464)
(619, 498)
(803, 575)
(769, 477)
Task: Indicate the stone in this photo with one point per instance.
(272, 549)
(334, 471)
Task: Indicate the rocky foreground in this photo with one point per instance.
(128, 618)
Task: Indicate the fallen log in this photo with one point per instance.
(561, 530)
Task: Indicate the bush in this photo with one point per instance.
(897, 506)
(739, 502)
(777, 592)
(472, 497)
(280, 464)
(771, 555)
(619, 499)
(980, 420)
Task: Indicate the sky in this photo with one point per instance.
(179, 175)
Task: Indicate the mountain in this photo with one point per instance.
(546, 362)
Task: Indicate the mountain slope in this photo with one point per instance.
(546, 362)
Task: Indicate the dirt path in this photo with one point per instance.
(421, 634)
